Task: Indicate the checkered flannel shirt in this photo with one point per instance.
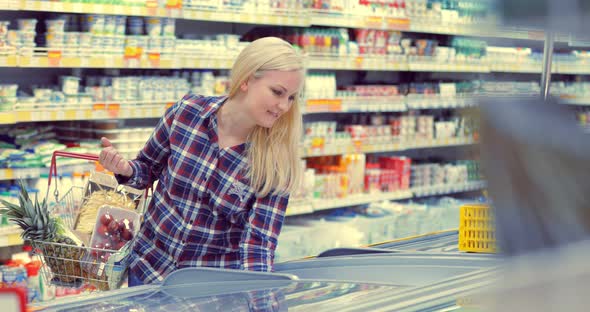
(203, 211)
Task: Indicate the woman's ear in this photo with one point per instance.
(244, 85)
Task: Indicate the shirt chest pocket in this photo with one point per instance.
(232, 201)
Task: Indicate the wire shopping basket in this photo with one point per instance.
(69, 263)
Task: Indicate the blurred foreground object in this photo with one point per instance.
(564, 16)
(536, 161)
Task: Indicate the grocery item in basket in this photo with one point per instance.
(114, 230)
(59, 245)
(102, 189)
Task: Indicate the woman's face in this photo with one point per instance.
(272, 95)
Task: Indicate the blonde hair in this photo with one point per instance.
(273, 156)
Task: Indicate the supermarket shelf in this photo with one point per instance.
(356, 104)
(73, 58)
(532, 67)
(338, 62)
(282, 17)
(328, 150)
(10, 236)
(436, 101)
(430, 64)
(353, 200)
(322, 204)
(304, 207)
(448, 142)
(33, 173)
(448, 189)
(99, 111)
(581, 68)
(272, 17)
(337, 19)
(85, 8)
(584, 101)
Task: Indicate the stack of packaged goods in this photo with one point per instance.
(333, 177)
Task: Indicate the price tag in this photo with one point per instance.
(374, 22)
(398, 23)
(113, 110)
(58, 6)
(151, 7)
(54, 58)
(6, 174)
(60, 115)
(358, 61)
(154, 59)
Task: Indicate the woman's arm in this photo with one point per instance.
(152, 158)
(260, 238)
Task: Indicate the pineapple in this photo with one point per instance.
(39, 226)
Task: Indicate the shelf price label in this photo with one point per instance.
(374, 21)
(154, 59)
(113, 110)
(6, 174)
(359, 61)
(99, 110)
(54, 58)
(398, 23)
(151, 7)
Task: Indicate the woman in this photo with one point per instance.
(225, 166)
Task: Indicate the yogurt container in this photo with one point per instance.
(54, 39)
(70, 84)
(110, 25)
(55, 25)
(72, 39)
(153, 26)
(26, 38)
(135, 25)
(168, 27)
(27, 24)
(4, 28)
(120, 25)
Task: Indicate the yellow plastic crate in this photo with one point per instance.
(477, 232)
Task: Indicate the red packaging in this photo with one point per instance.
(380, 46)
(361, 40)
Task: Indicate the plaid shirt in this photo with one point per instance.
(203, 211)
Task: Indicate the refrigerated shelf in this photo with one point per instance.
(299, 207)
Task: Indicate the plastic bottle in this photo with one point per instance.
(34, 284)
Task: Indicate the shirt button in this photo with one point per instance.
(192, 221)
(175, 263)
(212, 166)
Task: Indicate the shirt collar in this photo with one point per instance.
(212, 106)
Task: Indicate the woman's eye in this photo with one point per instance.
(291, 98)
(277, 92)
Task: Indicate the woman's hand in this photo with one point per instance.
(111, 160)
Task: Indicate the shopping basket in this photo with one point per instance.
(477, 229)
(77, 266)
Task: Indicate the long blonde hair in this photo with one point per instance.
(273, 156)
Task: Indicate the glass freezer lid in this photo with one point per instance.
(292, 296)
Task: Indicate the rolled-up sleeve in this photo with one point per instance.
(151, 159)
(260, 237)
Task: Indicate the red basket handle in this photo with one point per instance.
(53, 166)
